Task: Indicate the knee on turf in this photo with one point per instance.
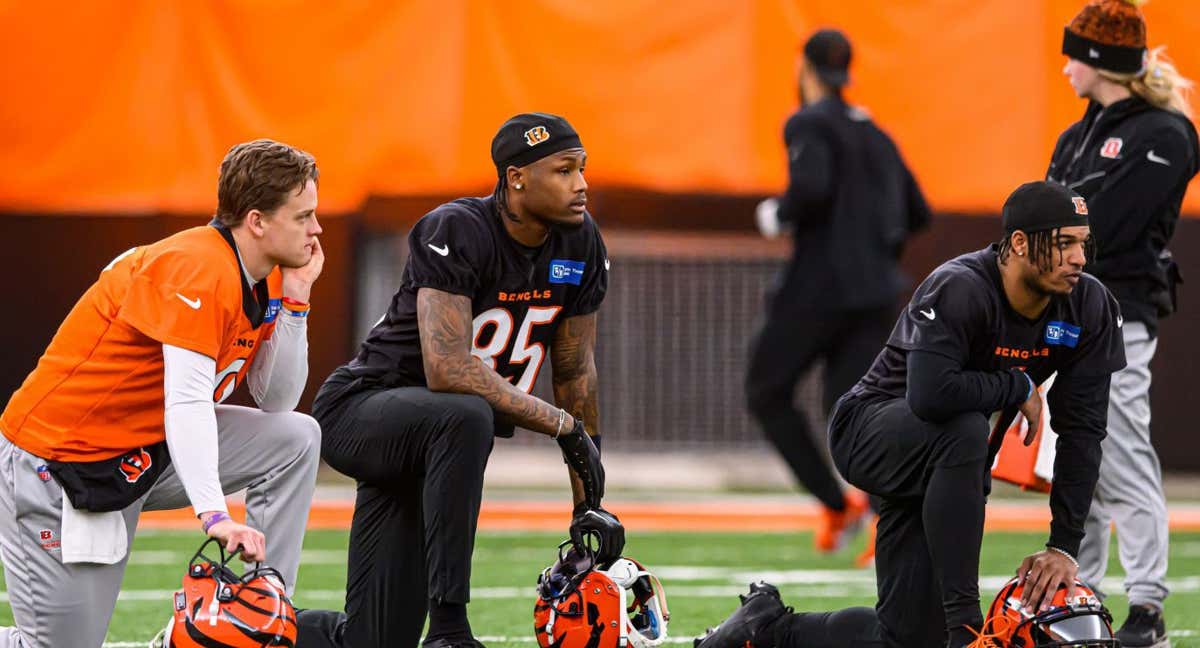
(964, 439)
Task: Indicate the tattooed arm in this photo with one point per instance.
(572, 356)
(444, 321)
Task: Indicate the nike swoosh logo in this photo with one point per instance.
(194, 304)
(444, 250)
(931, 315)
(606, 264)
(1092, 53)
(1120, 321)
(1154, 158)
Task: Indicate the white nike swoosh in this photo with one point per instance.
(444, 250)
(194, 304)
(1092, 53)
(931, 315)
(1120, 321)
(606, 264)
(1154, 158)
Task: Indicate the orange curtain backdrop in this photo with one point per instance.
(129, 106)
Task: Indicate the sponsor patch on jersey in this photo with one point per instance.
(273, 307)
(1112, 148)
(1062, 334)
(566, 272)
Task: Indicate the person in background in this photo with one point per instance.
(1131, 156)
(850, 205)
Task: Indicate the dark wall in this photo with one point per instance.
(48, 261)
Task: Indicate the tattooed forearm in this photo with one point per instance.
(573, 359)
(574, 362)
(444, 321)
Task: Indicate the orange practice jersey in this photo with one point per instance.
(97, 392)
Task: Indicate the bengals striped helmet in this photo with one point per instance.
(216, 607)
(580, 605)
(1079, 622)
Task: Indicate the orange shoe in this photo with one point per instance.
(835, 528)
(867, 557)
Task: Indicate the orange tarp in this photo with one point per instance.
(129, 106)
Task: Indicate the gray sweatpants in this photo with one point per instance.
(272, 455)
(1130, 492)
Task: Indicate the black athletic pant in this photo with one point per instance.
(792, 338)
(419, 458)
(932, 480)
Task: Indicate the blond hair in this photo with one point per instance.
(1159, 83)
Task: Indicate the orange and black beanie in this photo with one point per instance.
(1108, 34)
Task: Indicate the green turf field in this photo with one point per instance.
(701, 573)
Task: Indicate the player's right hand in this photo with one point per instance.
(581, 454)
(1031, 409)
(234, 536)
(766, 216)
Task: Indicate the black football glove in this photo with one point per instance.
(604, 526)
(584, 458)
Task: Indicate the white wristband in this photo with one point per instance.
(1064, 552)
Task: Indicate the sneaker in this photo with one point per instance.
(866, 558)
(837, 527)
(1144, 628)
(747, 626)
(451, 642)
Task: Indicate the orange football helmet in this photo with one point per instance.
(1082, 622)
(216, 607)
(582, 606)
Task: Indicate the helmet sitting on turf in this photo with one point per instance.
(580, 606)
(1081, 622)
(216, 607)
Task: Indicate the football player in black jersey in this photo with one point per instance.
(980, 332)
(490, 284)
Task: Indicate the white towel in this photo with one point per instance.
(89, 537)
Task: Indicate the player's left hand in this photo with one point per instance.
(604, 526)
(1042, 574)
(297, 282)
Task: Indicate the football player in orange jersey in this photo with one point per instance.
(122, 413)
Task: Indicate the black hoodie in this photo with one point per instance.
(1132, 163)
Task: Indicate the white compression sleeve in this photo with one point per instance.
(190, 420)
(280, 369)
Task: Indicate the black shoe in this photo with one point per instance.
(747, 626)
(1144, 628)
(452, 642)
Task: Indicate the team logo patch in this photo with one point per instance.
(46, 539)
(566, 272)
(273, 307)
(1062, 334)
(536, 135)
(1080, 205)
(1112, 148)
(135, 464)
(43, 472)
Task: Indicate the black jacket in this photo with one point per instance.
(1132, 163)
(852, 203)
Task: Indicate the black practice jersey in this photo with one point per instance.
(960, 311)
(519, 295)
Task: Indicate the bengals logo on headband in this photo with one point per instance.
(1080, 205)
(536, 135)
(135, 464)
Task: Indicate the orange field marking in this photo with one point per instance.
(662, 516)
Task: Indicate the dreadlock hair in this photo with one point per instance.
(501, 196)
(1041, 249)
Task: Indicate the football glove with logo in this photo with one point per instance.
(582, 455)
(602, 525)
